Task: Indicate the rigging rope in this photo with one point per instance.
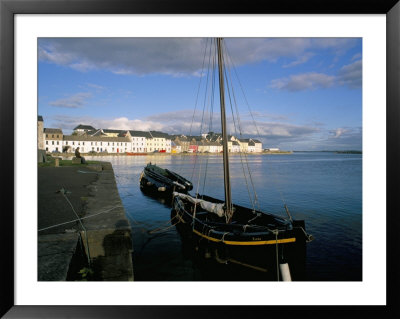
(275, 180)
(210, 126)
(195, 107)
(240, 154)
(228, 76)
(201, 130)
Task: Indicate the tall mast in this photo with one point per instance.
(227, 184)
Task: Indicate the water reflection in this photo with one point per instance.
(325, 189)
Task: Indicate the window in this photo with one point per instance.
(57, 142)
(52, 135)
(47, 142)
(47, 135)
(57, 136)
(47, 149)
(66, 142)
(52, 142)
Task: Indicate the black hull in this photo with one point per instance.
(159, 182)
(259, 251)
(154, 188)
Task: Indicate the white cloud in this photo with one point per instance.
(339, 132)
(95, 86)
(74, 101)
(181, 122)
(175, 56)
(171, 56)
(300, 60)
(265, 116)
(306, 81)
(351, 75)
(284, 135)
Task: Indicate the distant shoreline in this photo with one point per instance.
(203, 154)
(337, 152)
(171, 154)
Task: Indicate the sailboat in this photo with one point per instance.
(235, 234)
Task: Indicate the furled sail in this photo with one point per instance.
(208, 206)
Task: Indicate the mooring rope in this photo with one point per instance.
(277, 261)
(62, 191)
(164, 229)
(79, 219)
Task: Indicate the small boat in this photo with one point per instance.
(161, 181)
(135, 154)
(235, 234)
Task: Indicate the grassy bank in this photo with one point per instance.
(50, 161)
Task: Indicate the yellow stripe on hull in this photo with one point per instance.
(248, 243)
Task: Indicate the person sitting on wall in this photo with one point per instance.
(78, 155)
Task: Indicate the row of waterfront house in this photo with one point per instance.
(89, 139)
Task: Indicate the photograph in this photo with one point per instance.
(199, 159)
(163, 159)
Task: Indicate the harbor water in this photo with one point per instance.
(323, 188)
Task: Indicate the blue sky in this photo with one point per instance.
(299, 93)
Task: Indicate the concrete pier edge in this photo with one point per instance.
(105, 236)
(108, 234)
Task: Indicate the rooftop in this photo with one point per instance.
(84, 127)
(52, 131)
(88, 138)
(140, 134)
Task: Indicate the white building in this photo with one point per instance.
(235, 147)
(244, 145)
(159, 142)
(53, 139)
(98, 144)
(272, 149)
(215, 147)
(139, 141)
(113, 141)
(257, 146)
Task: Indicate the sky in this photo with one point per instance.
(291, 93)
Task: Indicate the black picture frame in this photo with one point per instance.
(8, 10)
